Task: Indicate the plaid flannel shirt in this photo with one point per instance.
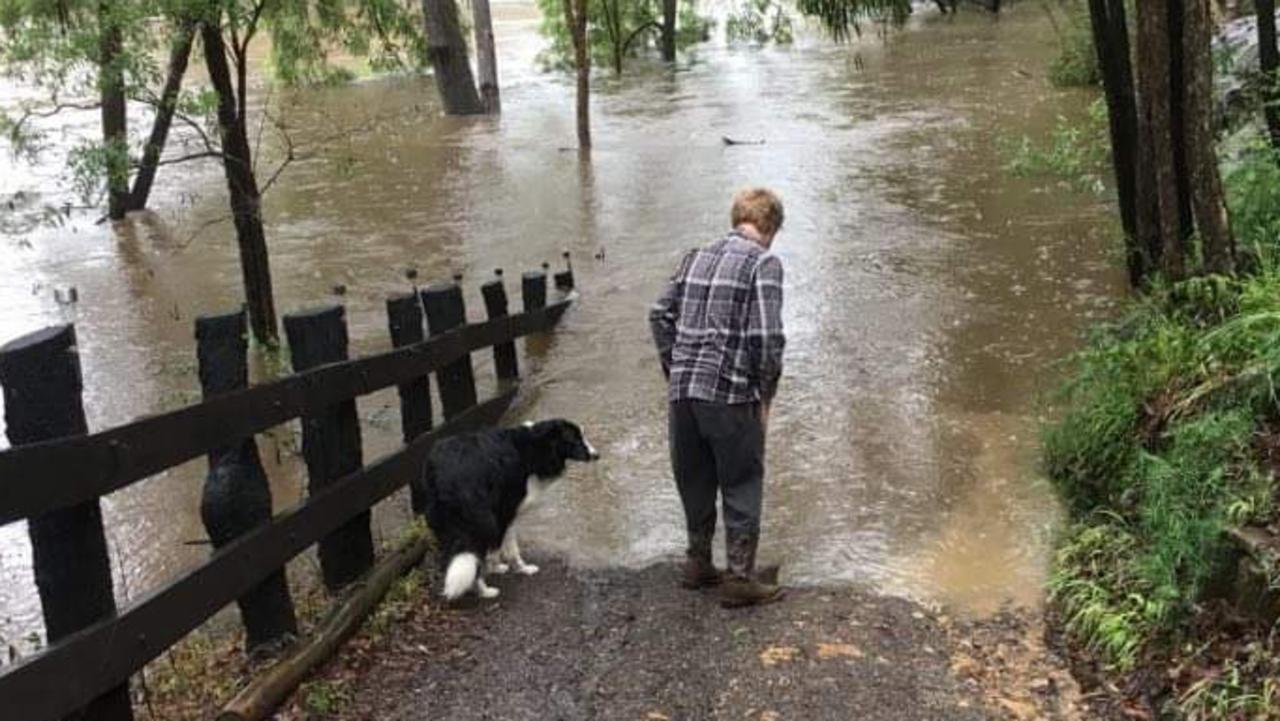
(718, 324)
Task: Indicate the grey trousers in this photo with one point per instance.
(718, 447)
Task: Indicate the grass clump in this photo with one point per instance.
(1076, 64)
(1076, 152)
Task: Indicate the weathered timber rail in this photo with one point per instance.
(55, 474)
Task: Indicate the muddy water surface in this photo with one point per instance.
(928, 291)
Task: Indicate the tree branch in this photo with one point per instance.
(187, 158)
(200, 131)
(651, 25)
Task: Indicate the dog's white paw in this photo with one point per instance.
(488, 592)
(527, 569)
(498, 568)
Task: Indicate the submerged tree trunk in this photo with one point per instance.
(1210, 208)
(447, 52)
(486, 56)
(576, 15)
(114, 120)
(179, 55)
(242, 186)
(670, 8)
(1269, 63)
(1111, 42)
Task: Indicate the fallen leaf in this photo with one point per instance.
(769, 716)
(1019, 709)
(657, 716)
(965, 667)
(774, 655)
(838, 650)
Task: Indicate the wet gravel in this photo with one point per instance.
(624, 644)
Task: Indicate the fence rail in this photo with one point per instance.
(56, 484)
(60, 473)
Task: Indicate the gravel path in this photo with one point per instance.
(624, 644)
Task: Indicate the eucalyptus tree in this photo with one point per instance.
(101, 55)
(1160, 101)
(302, 33)
(83, 56)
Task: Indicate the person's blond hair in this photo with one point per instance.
(760, 207)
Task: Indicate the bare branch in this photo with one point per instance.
(187, 158)
(651, 25)
(252, 28)
(257, 141)
(290, 150)
(199, 129)
(202, 228)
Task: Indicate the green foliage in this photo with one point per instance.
(760, 22)
(1229, 694)
(1076, 64)
(324, 697)
(55, 47)
(843, 18)
(303, 34)
(618, 30)
(1155, 455)
(1252, 180)
(1077, 152)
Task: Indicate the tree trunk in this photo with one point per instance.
(486, 57)
(1206, 182)
(1269, 63)
(447, 52)
(576, 15)
(1178, 114)
(1111, 42)
(242, 186)
(670, 8)
(613, 24)
(1161, 227)
(179, 54)
(114, 120)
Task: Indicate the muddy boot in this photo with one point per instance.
(699, 571)
(743, 587)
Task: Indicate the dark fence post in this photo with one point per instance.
(445, 311)
(237, 496)
(495, 304)
(331, 441)
(404, 317)
(533, 289)
(40, 373)
(564, 279)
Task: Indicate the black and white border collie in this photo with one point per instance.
(475, 486)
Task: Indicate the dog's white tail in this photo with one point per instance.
(461, 574)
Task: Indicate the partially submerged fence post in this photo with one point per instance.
(331, 441)
(237, 495)
(404, 318)
(445, 311)
(533, 289)
(495, 304)
(564, 279)
(40, 373)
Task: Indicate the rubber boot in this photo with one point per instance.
(699, 571)
(743, 587)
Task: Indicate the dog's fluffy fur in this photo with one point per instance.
(475, 485)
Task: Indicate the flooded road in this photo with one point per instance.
(928, 291)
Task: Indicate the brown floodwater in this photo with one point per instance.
(928, 290)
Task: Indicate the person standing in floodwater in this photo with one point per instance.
(718, 328)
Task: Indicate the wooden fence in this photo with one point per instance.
(55, 473)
